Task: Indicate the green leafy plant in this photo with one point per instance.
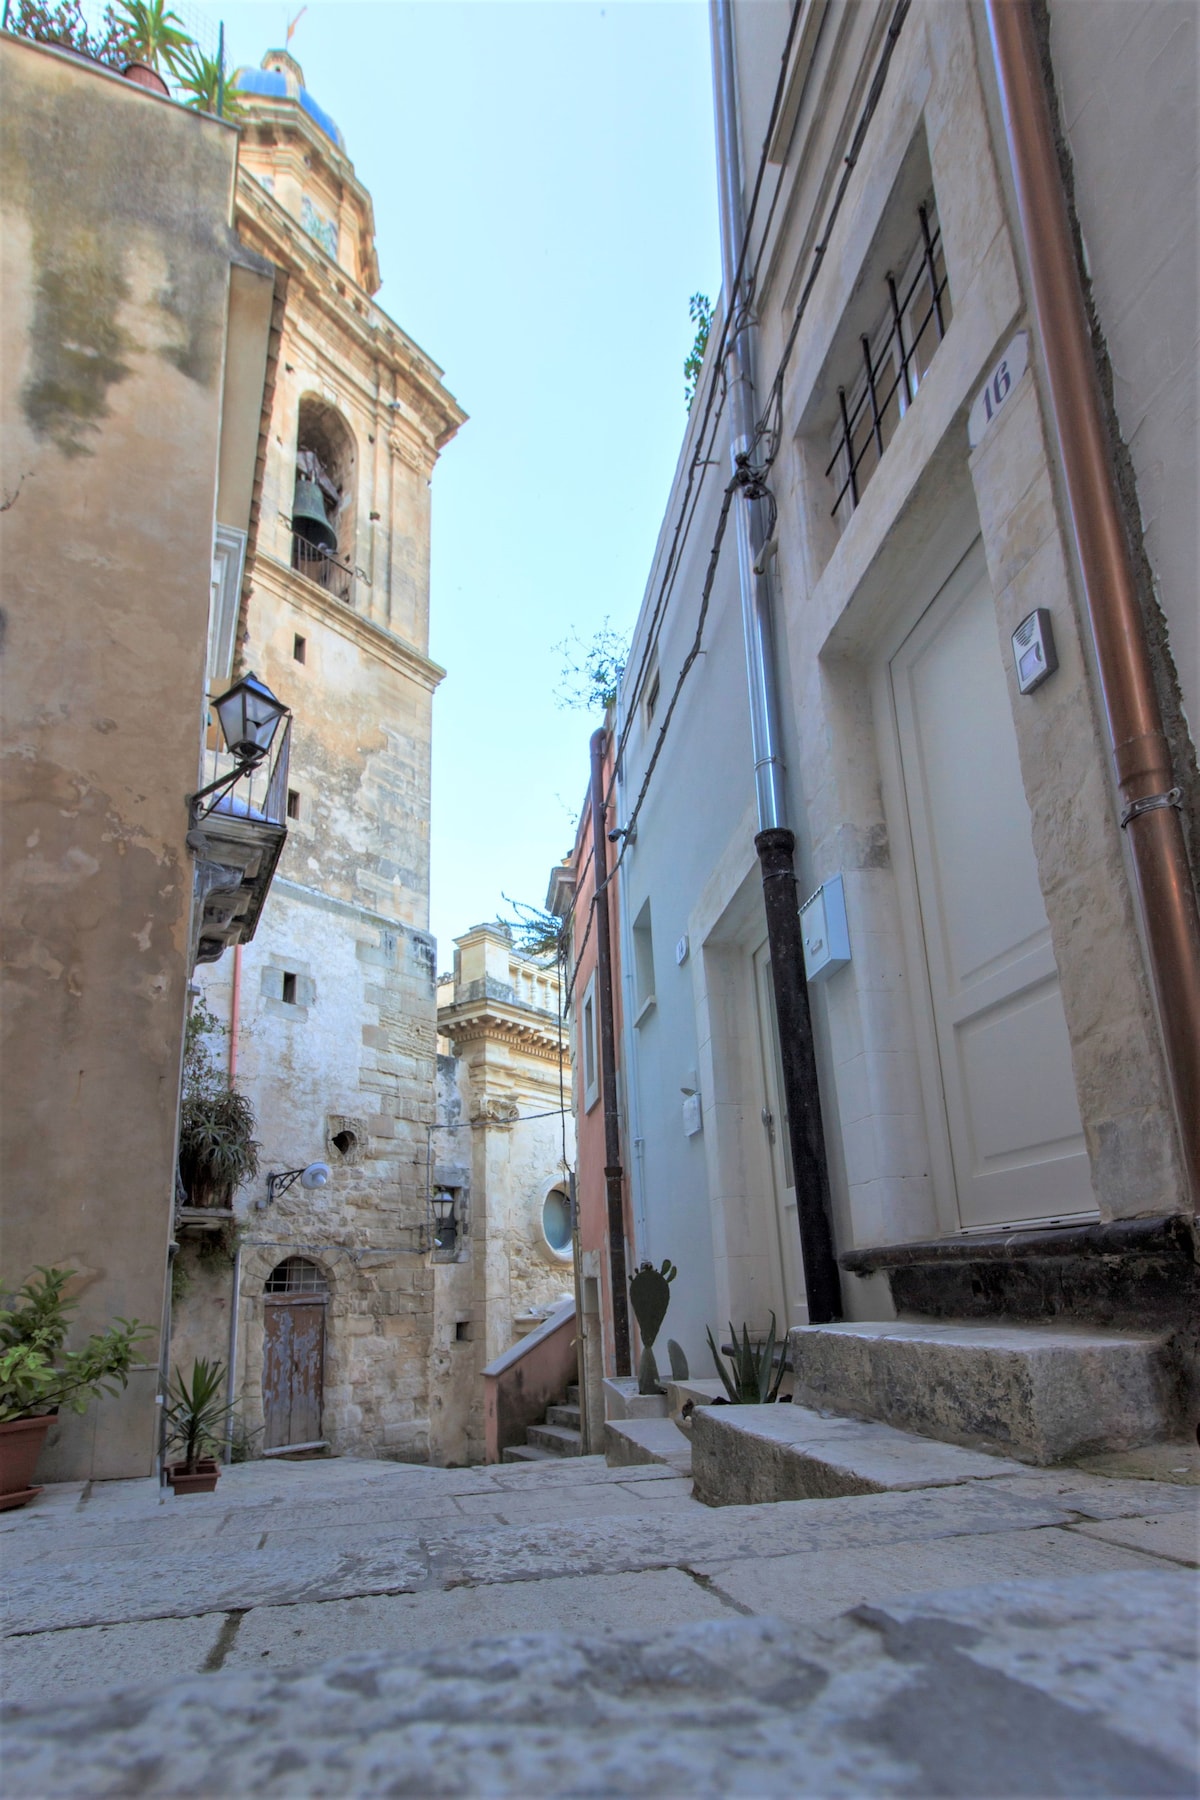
(754, 1381)
(201, 79)
(196, 1411)
(679, 1362)
(36, 1373)
(592, 671)
(153, 34)
(650, 1294)
(63, 22)
(217, 1146)
(701, 312)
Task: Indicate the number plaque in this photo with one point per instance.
(996, 389)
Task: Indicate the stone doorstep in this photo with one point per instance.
(629, 1442)
(622, 1400)
(1040, 1393)
(751, 1455)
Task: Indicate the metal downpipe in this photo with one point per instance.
(774, 842)
(613, 1172)
(1141, 756)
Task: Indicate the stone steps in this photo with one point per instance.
(1035, 1392)
(526, 1453)
(564, 1415)
(558, 1440)
(751, 1455)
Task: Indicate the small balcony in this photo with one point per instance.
(316, 564)
(238, 843)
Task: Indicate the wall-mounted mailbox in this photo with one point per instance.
(824, 931)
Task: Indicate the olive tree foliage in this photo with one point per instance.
(701, 312)
(592, 668)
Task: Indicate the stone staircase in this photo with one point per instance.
(558, 1435)
(906, 1404)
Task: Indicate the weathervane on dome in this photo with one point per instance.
(288, 39)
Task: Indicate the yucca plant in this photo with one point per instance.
(754, 1381)
(152, 33)
(196, 1411)
(201, 80)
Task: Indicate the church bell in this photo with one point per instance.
(309, 519)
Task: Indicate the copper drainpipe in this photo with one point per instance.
(235, 1008)
(1141, 757)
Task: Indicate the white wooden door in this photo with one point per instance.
(1015, 1135)
(773, 1118)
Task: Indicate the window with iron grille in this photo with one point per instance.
(894, 360)
(295, 1276)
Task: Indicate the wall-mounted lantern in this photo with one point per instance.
(445, 1221)
(311, 1175)
(249, 716)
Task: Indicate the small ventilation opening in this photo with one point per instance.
(289, 988)
(299, 648)
(462, 1331)
(345, 1142)
(293, 804)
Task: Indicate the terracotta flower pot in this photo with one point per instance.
(202, 1480)
(21, 1443)
(146, 77)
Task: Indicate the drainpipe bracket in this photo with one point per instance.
(1152, 803)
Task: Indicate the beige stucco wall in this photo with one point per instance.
(116, 209)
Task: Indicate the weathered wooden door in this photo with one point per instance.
(293, 1369)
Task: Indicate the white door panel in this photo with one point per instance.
(1002, 1048)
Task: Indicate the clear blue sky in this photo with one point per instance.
(545, 204)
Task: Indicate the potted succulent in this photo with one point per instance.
(37, 1375)
(217, 1148)
(755, 1380)
(196, 1411)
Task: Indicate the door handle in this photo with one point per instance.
(768, 1119)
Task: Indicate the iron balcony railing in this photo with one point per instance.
(337, 578)
(260, 797)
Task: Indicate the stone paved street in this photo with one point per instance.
(1046, 1597)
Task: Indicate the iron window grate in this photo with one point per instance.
(295, 1276)
(895, 360)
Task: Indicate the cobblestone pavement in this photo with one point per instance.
(316, 1624)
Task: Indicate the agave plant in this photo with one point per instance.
(202, 79)
(196, 1411)
(217, 1148)
(754, 1381)
(152, 33)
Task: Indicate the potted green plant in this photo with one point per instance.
(37, 1375)
(196, 1411)
(217, 1148)
(755, 1380)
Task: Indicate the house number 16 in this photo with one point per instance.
(997, 388)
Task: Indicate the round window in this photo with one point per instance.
(556, 1222)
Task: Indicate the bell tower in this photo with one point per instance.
(331, 1011)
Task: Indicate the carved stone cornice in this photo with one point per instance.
(376, 640)
(511, 1027)
(351, 311)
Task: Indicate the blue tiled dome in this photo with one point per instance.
(282, 78)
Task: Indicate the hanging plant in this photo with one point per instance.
(217, 1148)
